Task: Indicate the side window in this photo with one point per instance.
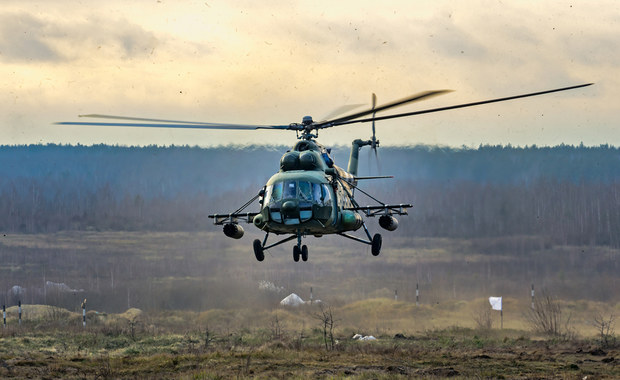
(276, 193)
(326, 195)
(316, 193)
(290, 189)
(268, 192)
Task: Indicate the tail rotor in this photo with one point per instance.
(374, 143)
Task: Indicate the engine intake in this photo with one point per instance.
(388, 222)
(233, 230)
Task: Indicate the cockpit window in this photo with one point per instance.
(290, 189)
(326, 200)
(305, 191)
(316, 193)
(274, 193)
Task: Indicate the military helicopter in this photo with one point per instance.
(310, 195)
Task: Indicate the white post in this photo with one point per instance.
(84, 313)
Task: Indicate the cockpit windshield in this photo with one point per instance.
(306, 191)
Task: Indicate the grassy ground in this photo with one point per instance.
(289, 344)
(199, 306)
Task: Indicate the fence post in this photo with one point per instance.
(4, 315)
(532, 296)
(417, 295)
(19, 313)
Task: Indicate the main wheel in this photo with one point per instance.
(304, 253)
(296, 253)
(376, 245)
(258, 250)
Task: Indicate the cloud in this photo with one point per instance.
(22, 39)
(28, 38)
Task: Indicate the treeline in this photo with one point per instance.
(568, 194)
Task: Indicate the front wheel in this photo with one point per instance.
(376, 245)
(258, 250)
(296, 253)
(304, 253)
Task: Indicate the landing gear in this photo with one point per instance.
(376, 245)
(299, 251)
(258, 250)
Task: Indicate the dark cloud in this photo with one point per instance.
(27, 38)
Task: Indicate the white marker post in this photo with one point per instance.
(417, 295)
(496, 304)
(532, 296)
(84, 313)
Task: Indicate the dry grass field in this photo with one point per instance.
(198, 306)
(288, 343)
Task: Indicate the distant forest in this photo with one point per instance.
(566, 194)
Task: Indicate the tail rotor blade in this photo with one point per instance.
(374, 103)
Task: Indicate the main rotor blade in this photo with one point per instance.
(413, 98)
(459, 105)
(340, 110)
(182, 126)
(161, 123)
(98, 116)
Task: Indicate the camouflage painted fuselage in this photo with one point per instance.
(306, 197)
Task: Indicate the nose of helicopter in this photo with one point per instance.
(290, 209)
(290, 212)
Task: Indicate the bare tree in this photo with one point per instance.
(483, 317)
(605, 328)
(547, 317)
(326, 318)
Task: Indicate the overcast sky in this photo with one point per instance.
(272, 62)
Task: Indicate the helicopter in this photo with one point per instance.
(310, 194)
